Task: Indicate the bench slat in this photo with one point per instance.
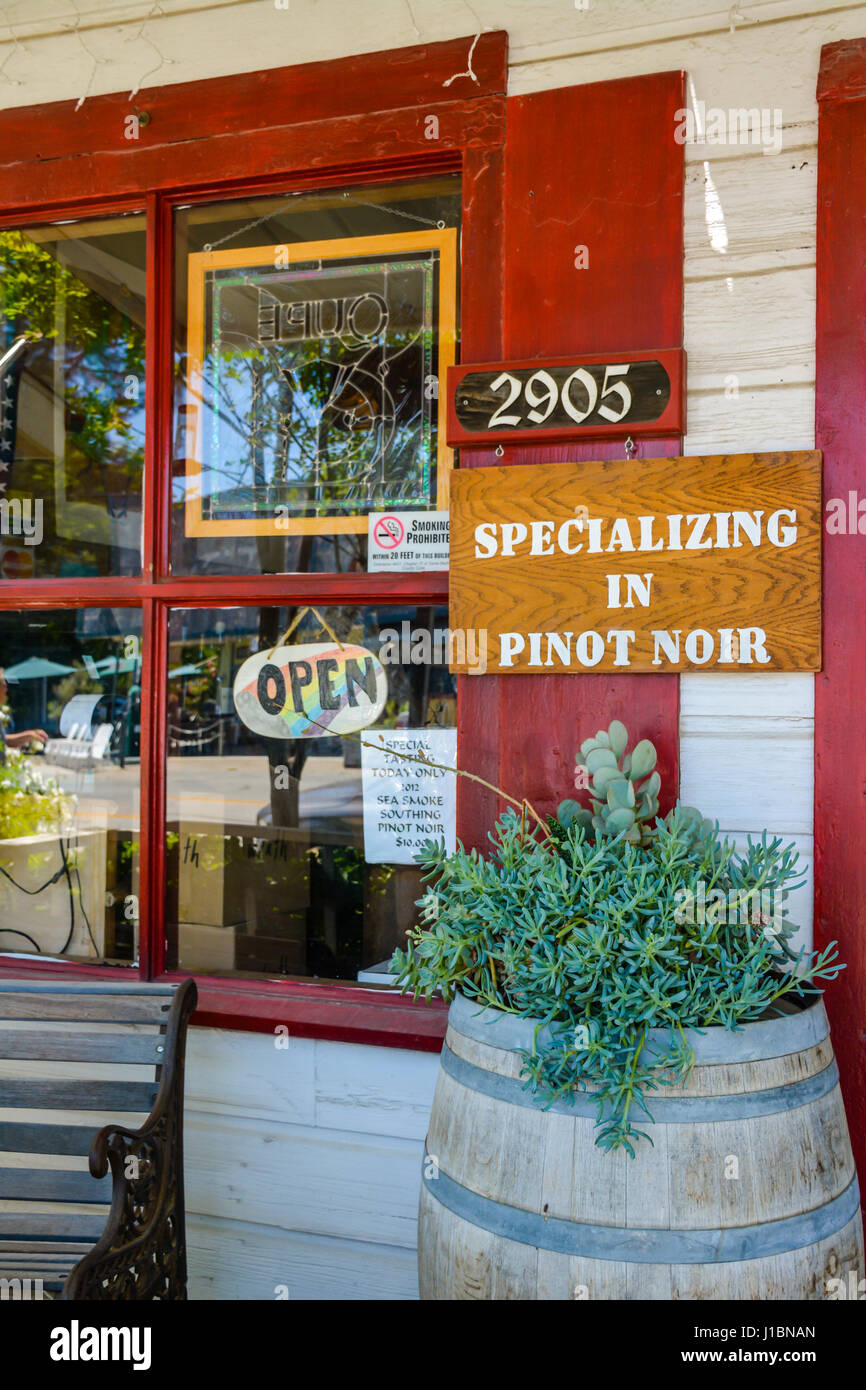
(72, 1094)
(52, 1185)
(64, 1249)
(73, 1046)
(84, 1008)
(55, 986)
(23, 1137)
(76, 1225)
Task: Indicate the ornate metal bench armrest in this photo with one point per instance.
(141, 1255)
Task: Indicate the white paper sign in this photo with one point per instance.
(407, 541)
(406, 803)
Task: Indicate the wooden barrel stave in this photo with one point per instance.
(521, 1161)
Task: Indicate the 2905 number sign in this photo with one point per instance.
(641, 394)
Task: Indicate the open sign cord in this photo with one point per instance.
(294, 623)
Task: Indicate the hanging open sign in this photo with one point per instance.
(310, 691)
(564, 398)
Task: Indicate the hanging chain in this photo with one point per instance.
(356, 202)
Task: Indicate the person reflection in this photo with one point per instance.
(8, 739)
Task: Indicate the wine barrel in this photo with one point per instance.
(748, 1190)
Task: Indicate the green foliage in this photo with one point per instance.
(30, 804)
(594, 934)
(626, 787)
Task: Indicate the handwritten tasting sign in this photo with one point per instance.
(408, 800)
(664, 564)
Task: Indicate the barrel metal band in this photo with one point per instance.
(742, 1105)
(751, 1042)
(638, 1245)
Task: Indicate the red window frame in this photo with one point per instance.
(360, 120)
(840, 741)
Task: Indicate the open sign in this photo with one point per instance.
(310, 691)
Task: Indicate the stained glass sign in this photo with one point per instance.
(313, 383)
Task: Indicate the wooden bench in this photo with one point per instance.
(77, 1058)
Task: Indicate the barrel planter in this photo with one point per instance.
(747, 1192)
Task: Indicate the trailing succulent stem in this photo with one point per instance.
(616, 936)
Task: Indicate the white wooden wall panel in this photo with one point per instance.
(375, 1090)
(327, 1182)
(238, 1260)
(303, 1164)
(768, 417)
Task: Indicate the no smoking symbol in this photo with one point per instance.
(388, 532)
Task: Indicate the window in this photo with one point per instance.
(70, 753)
(72, 371)
(294, 856)
(223, 346)
(311, 335)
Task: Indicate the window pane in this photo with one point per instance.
(284, 856)
(70, 702)
(72, 398)
(312, 334)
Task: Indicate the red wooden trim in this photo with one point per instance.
(482, 282)
(840, 432)
(324, 1009)
(14, 967)
(327, 147)
(151, 862)
(36, 214)
(672, 420)
(160, 394)
(216, 591)
(627, 210)
(842, 71)
(255, 101)
(313, 116)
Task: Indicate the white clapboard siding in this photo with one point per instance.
(761, 418)
(238, 1260)
(244, 1074)
(302, 1166)
(375, 1090)
(328, 1182)
(748, 214)
(772, 66)
(746, 754)
(735, 326)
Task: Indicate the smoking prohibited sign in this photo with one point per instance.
(407, 541)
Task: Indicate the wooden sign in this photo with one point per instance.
(661, 564)
(310, 691)
(642, 394)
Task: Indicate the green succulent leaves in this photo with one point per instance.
(585, 932)
(622, 782)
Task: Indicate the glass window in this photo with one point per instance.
(312, 334)
(70, 702)
(72, 398)
(290, 847)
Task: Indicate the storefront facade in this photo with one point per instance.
(552, 187)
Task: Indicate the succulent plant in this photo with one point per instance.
(626, 788)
